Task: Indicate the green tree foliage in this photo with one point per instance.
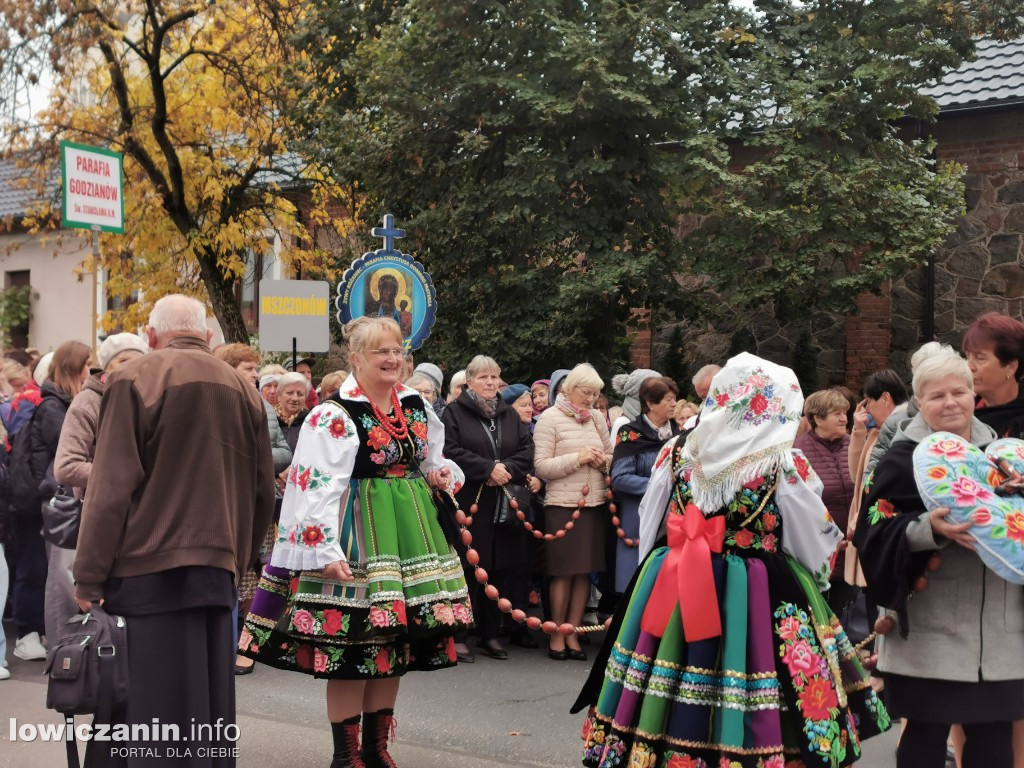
(836, 189)
(520, 146)
(544, 156)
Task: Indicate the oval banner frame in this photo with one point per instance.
(387, 282)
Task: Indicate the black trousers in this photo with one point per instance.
(181, 667)
(923, 745)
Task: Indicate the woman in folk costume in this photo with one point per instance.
(724, 653)
(362, 585)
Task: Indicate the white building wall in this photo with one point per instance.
(63, 309)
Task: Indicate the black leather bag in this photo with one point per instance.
(62, 514)
(504, 515)
(88, 670)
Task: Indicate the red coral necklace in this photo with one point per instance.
(395, 424)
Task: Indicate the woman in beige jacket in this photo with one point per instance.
(572, 453)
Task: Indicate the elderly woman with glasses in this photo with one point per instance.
(957, 655)
(492, 445)
(362, 586)
(572, 454)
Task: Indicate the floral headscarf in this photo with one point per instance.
(746, 429)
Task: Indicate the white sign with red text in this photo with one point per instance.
(92, 190)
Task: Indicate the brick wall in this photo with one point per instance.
(986, 156)
(867, 338)
(981, 266)
(640, 339)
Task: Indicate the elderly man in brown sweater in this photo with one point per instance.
(180, 496)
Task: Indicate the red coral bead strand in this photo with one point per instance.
(397, 426)
(505, 605)
(616, 520)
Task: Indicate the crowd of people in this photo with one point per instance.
(740, 539)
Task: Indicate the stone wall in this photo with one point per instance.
(981, 267)
(680, 349)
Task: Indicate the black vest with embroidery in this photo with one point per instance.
(380, 454)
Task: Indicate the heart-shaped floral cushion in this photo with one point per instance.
(951, 472)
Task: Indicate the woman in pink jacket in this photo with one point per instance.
(572, 454)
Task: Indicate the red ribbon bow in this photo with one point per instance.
(686, 577)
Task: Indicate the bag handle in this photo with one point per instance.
(104, 709)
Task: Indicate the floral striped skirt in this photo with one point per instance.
(400, 612)
(781, 686)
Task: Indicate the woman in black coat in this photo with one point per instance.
(43, 596)
(492, 445)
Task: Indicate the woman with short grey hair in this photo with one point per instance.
(492, 445)
(957, 657)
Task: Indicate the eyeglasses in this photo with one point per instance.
(397, 352)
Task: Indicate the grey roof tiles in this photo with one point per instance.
(994, 79)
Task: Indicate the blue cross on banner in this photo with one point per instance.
(389, 233)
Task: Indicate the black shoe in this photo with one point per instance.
(464, 656)
(524, 639)
(377, 726)
(243, 670)
(557, 655)
(346, 745)
(493, 649)
(577, 654)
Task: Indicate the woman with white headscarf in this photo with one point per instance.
(725, 651)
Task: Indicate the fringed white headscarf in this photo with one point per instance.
(746, 429)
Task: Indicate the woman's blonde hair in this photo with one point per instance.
(820, 404)
(685, 407)
(364, 333)
(481, 364)
(583, 375)
(332, 381)
(14, 373)
(458, 380)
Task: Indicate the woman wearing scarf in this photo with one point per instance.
(957, 655)
(636, 447)
(725, 653)
(572, 453)
(490, 443)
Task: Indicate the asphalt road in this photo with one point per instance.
(490, 714)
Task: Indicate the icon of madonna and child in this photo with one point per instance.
(388, 294)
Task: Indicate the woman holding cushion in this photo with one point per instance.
(957, 657)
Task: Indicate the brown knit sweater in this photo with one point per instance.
(182, 474)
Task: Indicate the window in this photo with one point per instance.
(18, 333)
(248, 290)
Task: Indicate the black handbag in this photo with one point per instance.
(62, 514)
(88, 670)
(504, 515)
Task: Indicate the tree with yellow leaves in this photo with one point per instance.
(197, 95)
